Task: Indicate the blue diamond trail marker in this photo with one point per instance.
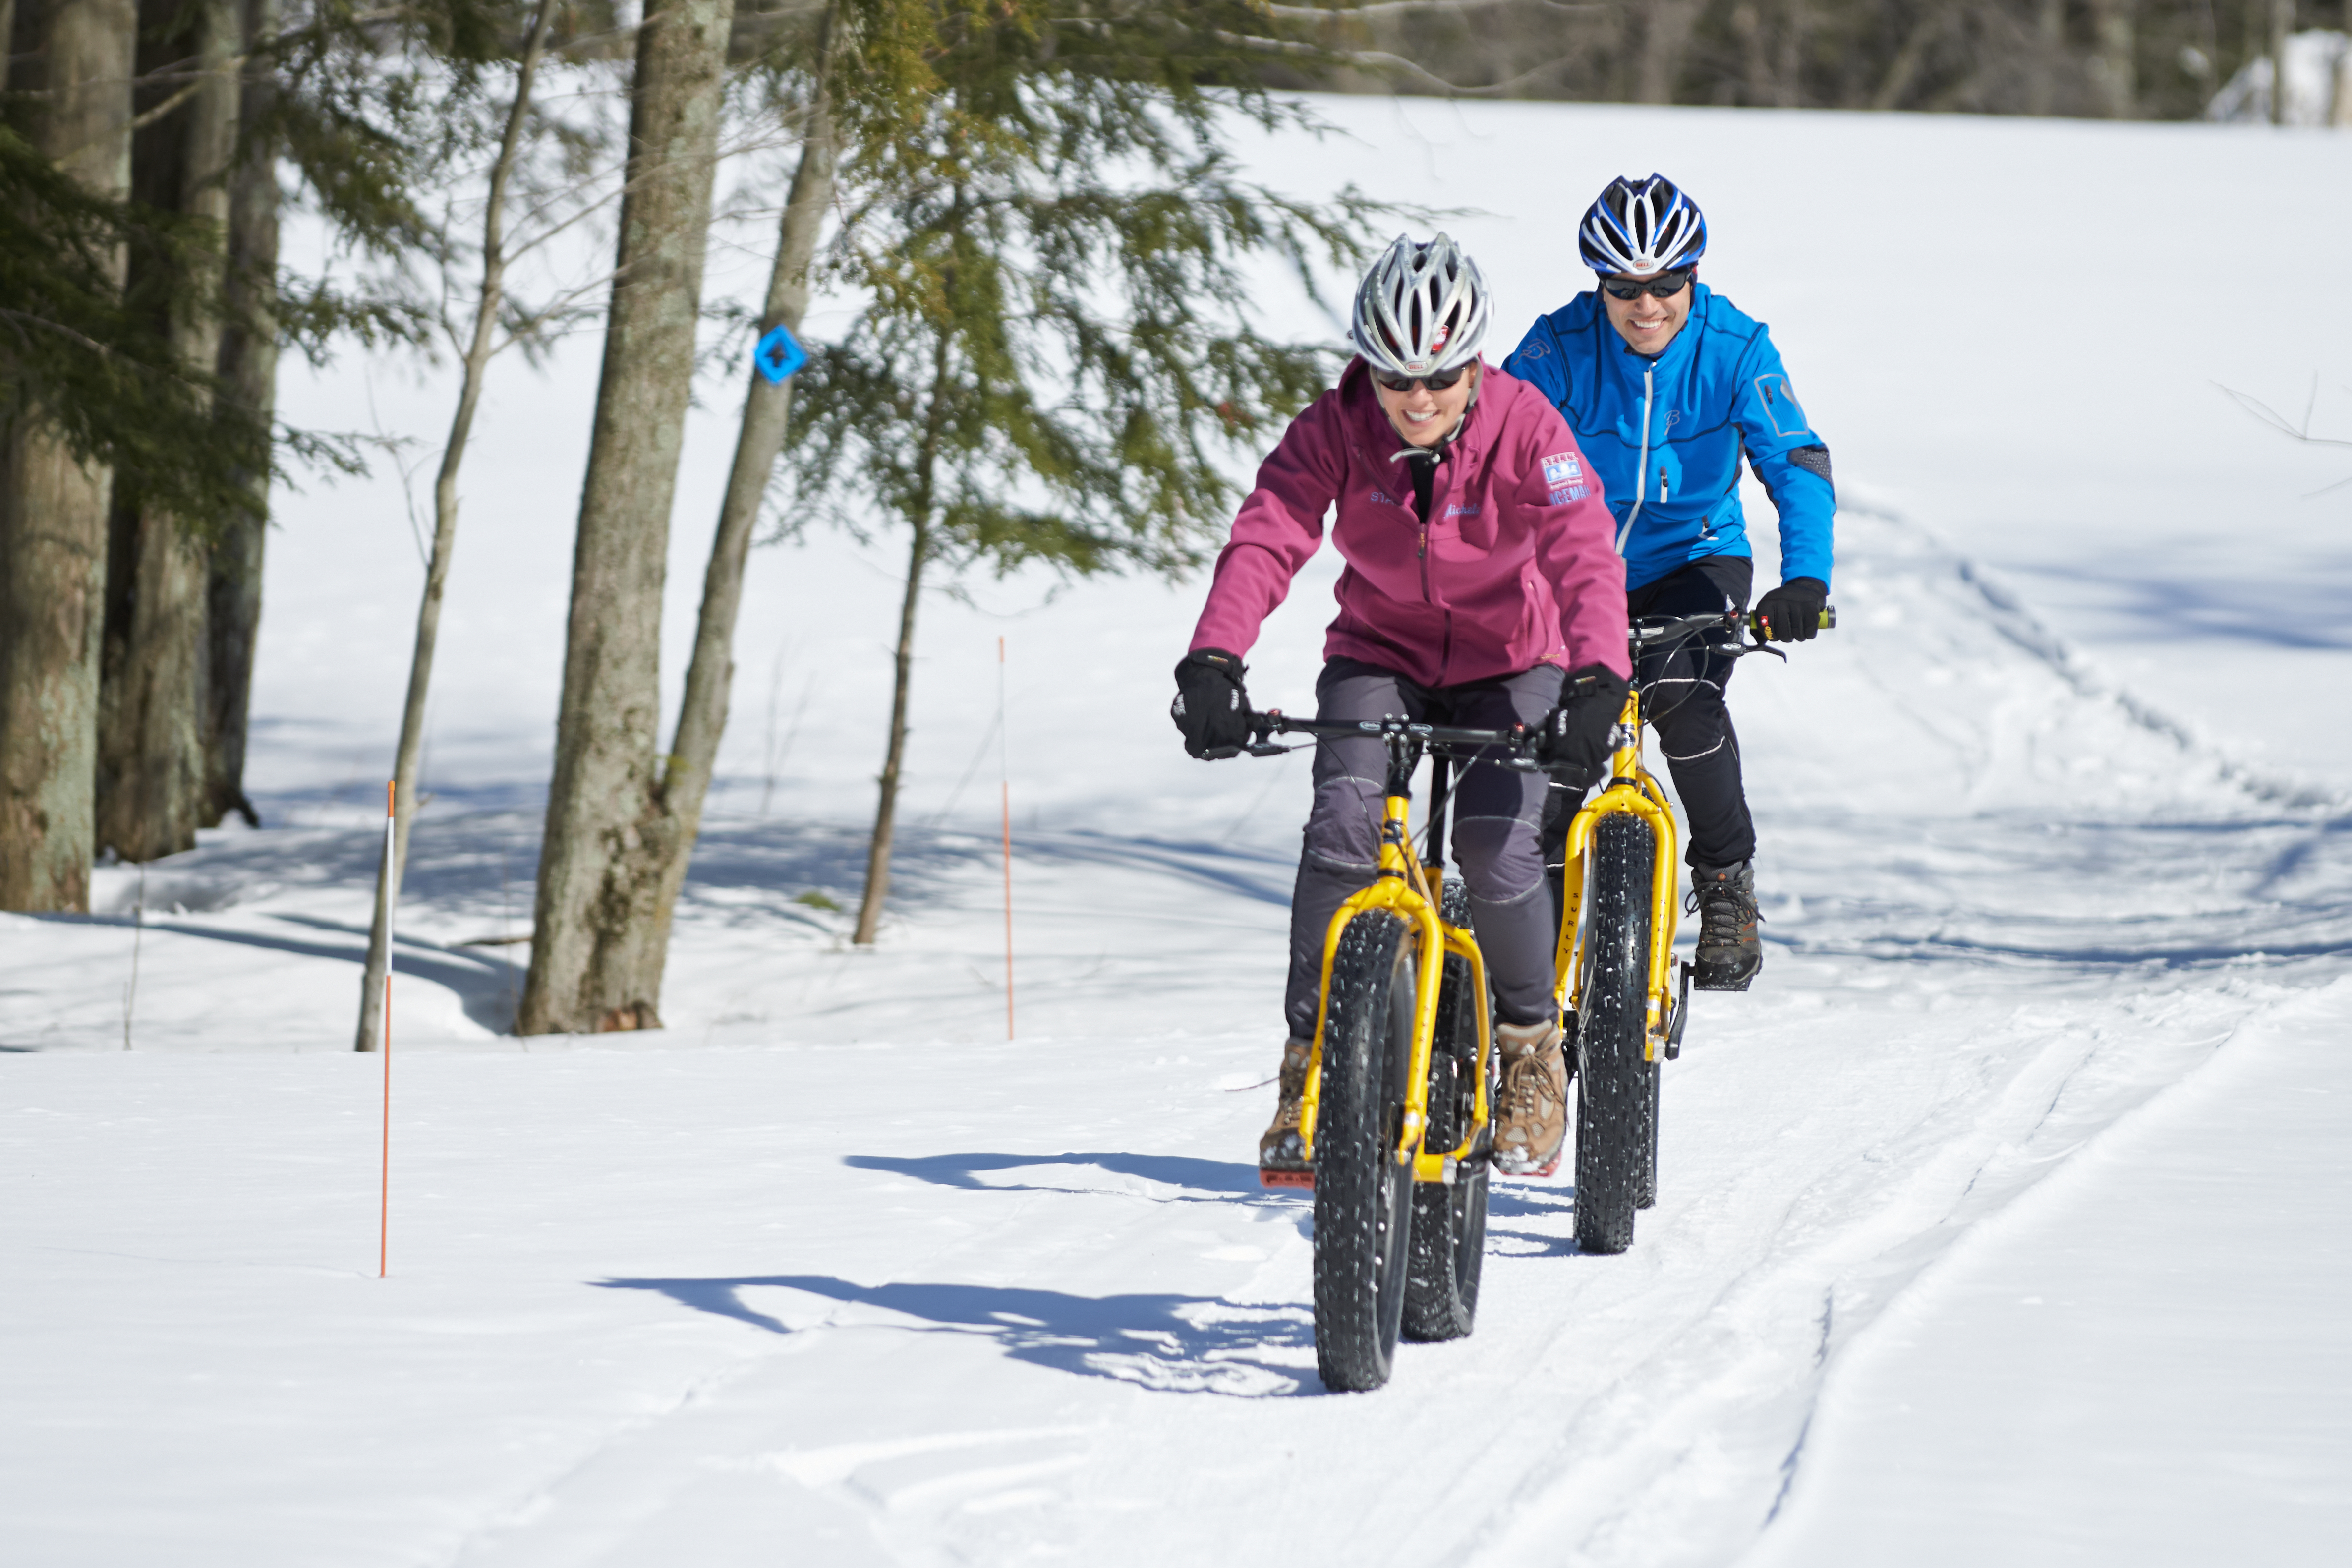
(778, 354)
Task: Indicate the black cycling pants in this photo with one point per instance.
(1681, 699)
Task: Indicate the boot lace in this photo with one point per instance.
(1721, 911)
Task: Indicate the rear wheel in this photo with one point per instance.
(1363, 1198)
(1449, 1223)
(1616, 1085)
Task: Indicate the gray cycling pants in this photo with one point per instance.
(1496, 814)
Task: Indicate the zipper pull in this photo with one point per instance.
(1662, 486)
(1425, 541)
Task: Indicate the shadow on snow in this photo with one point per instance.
(1183, 1344)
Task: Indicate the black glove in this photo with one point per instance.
(1573, 738)
(1211, 707)
(1792, 612)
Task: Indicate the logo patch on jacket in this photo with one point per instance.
(1458, 509)
(1563, 496)
(1562, 469)
(1381, 499)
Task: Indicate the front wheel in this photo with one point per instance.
(1449, 1223)
(1616, 1082)
(1363, 1198)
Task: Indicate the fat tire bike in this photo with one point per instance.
(1397, 1114)
(1621, 1007)
(1401, 1085)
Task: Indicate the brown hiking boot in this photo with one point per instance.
(1728, 952)
(1280, 1147)
(1531, 1119)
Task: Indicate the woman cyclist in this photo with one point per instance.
(1482, 589)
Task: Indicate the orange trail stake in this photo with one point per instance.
(1004, 790)
(383, 1207)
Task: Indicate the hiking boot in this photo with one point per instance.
(1531, 1117)
(1728, 954)
(1280, 1147)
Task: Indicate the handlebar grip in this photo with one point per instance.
(1828, 621)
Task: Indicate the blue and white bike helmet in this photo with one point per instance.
(1641, 227)
(1421, 310)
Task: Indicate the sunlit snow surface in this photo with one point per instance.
(2003, 1222)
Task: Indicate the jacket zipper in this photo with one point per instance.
(1445, 647)
(1642, 470)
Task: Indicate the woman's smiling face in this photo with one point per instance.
(1424, 417)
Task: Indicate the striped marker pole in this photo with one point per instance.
(383, 1205)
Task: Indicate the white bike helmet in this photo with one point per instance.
(1641, 227)
(1422, 310)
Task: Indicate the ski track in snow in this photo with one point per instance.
(930, 1298)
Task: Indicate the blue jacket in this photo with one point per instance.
(1664, 436)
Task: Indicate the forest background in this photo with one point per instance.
(949, 168)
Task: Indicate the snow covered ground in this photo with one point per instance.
(2002, 1223)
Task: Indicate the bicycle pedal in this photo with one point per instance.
(1287, 1179)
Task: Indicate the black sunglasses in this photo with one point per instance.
(1666, 286)
(1437, 382)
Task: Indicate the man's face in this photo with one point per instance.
(1646, 322)
(1424, 417)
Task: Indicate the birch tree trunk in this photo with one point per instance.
(151, 741)
(479, 344)
(595, 920)
(248, 369)
(53, 514)
(767, 410)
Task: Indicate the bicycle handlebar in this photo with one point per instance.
(1658, 628)
(1443, 739)
(1451, 740)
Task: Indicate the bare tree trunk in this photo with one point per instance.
(594, 923)
(2281, 20)
(1794, 26)
(1911, 55)
(885, 811)
(766, 409)
(2050, 45)
(894, 757)
(1665, 34)
(479, 344)
(54, 510)
(248, 370)
(150, 743)
(2339, 108)
(2115, 56)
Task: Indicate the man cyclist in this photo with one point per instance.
(1667, 386)
(1482, 589)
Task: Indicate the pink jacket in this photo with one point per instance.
(1515, 567)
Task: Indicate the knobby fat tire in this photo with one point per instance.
(1449, 1223)
(1363, 1198)
(1613, 1093)
(1646, 1193)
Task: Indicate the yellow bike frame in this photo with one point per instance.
(1403, 887)
(1631, 789)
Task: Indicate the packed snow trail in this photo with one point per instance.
(876, 1286)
